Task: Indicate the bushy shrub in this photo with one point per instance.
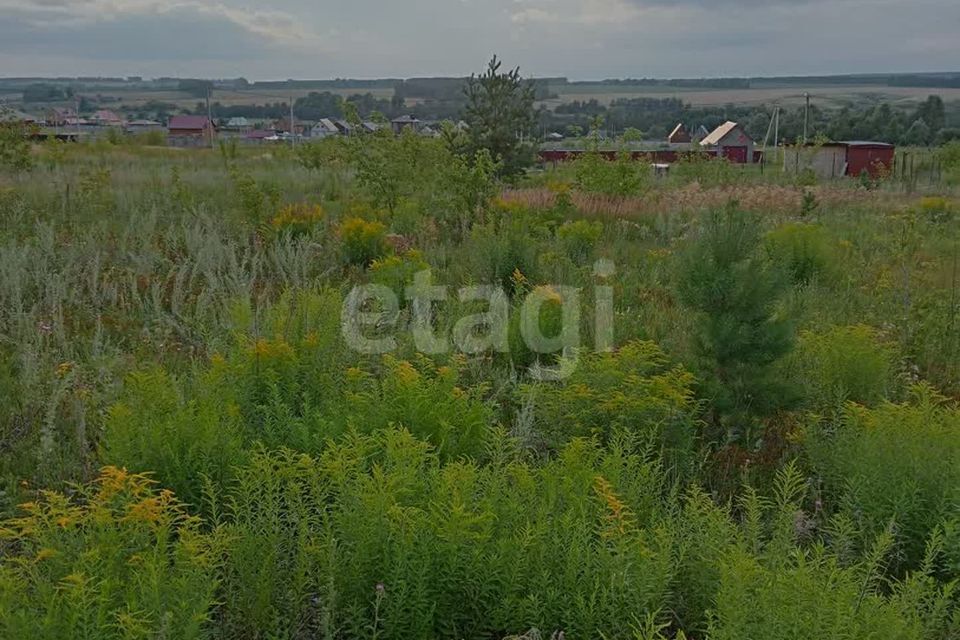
(804, 250)
(622, 176)
(541, 338)
(297, 218)
(808, 596)
(15, 147)
(94, 190)
(363, 241)
(425, 399)
(391, 168)
(286, 367)
(283, 390)
(183, 442)
(376, 537)
(936, 208)
(54, 153)
(706, 533)
(119, 559)
(494, 252)
(949, 156)
(469, 185)
(580, 238)
(843, 364)
(708, 171)
(257, 200)
(896, 463)
(774, 582)
(632, 394)
(397, 271)
(278, 570)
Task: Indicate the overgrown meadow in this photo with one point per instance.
(189, 447)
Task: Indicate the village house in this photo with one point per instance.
(324, 128)
(190, 131)
(142, 126)
(405, 122)
(679, 135)
(299, 128)
(237, 123)
(730, 141)
(106, 118)
(62, 117)
(344, 127)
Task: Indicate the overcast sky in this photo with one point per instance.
(403, 38)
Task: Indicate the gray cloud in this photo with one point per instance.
(176, 35)
(577, 38)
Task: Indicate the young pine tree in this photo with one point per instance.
(737, 292)
(499, 112)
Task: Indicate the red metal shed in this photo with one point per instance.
(872, 157)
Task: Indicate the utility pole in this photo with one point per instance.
(806, 118)
(776, 128)
(209, 116)
(76, 108)
(293, 128)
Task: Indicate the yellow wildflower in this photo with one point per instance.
(406, 373)
(550, 294)
(74, 580)
(355, 374)
(45, 553)
(618, 517)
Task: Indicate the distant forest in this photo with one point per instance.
(931, 122)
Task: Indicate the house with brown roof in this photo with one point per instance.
(61, 116)
(679, 135)
(190, 131)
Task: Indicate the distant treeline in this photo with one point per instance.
(930, 122)
(451, 89)
(338, 83)
(930, 80)
(946, 81)
(444, 84)
(693, 83)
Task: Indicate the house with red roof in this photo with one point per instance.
(190, 131)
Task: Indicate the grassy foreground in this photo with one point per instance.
(191, 446)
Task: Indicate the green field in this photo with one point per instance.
(761, 92)
(366, 389)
